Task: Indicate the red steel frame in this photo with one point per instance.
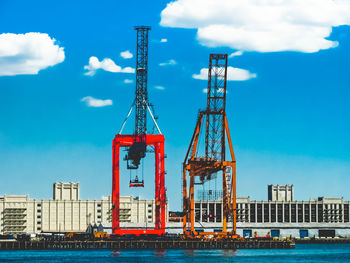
(126, 141)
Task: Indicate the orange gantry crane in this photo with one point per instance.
(201, 167)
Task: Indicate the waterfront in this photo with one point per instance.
(302, 253)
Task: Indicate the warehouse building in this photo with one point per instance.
(281, 215)
(66, 212)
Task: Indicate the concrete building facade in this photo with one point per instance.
(67, 212)
(281, 215)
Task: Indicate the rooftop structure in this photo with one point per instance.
(280, 192)
(66, 191)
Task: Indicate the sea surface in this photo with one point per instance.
(302, 253)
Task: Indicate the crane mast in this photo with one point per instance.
(141, 94)
(138, 150)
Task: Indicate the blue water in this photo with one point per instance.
(302, 253)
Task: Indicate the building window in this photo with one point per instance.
(252, 213)
(218, 212)
(204, 212)
(38, 205)
(98, 210)
(38, 216)
(346, 213)
(211, 213)
(280, 213)
(293, 213)
(197, 207)
(300, 213)
(39, 222)
(307, 213)
(313, 213)
(320, 213)
(149, 205)
(98, 216)
(149, 211)
(38, 228)
(286, 213)
(98, 205)
(266, 213)
(39, 211)
(149, 217)
(259, 213)
(273, 213)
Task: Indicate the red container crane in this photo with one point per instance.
(137, 145)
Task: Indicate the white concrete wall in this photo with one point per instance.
(75, 215)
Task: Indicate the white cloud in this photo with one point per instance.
(260, 25)
(23, 54)
(159, 87)
(127, 81)
(93, 102)
(163, 40)
(126, 54)
(170, 62)
(236, 54)
(232, 74)
(106, 64)
(220, 90)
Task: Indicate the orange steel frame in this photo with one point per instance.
(126, 141)
(194, 166)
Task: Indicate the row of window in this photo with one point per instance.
(293, 213)
(39, 205)
(259, 213)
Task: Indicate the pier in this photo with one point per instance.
(146, 244)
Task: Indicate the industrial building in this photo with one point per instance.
(66, 212)
(280, 215)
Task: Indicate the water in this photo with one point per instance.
(302, 253)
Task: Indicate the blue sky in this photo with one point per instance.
(289, 124)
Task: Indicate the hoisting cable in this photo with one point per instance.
(127, 116)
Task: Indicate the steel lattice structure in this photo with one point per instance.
(141, 94)
(206, 167)
(216, 97)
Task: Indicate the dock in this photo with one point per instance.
(147, 244)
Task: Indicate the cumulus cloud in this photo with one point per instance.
(126, 54)
(170, 62)
(220, 90)
(163, 40)
(106, 64)
(236, 54)
(93, 102)
(237, 74)
(159, 87)
(27, 54)
(260, 25)
(127, 81)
